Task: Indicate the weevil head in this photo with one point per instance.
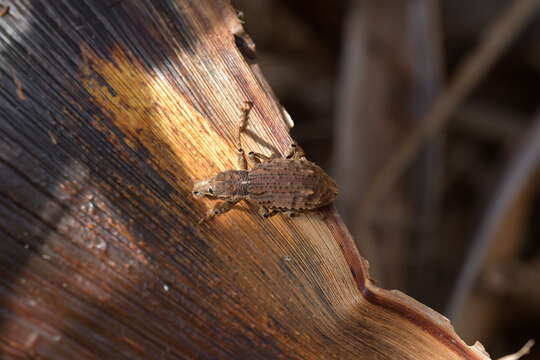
(203, 188)
(229, 184)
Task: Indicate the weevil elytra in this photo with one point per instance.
(289, 184)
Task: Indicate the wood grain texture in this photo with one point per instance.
(109, 111)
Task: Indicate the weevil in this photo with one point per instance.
(289, 184)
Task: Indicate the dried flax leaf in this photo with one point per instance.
(101, 254)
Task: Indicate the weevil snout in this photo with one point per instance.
(197, 194)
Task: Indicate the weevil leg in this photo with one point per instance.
(265, 213)
(295, 152)
(246, 109)
(241, 159)
(219, 209)
(257, 157)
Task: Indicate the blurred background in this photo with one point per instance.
(427, 115)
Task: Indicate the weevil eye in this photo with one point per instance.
(210, 191)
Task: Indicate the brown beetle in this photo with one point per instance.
(291, 184)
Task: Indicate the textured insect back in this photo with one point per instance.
(287, 184)
(231, 184)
